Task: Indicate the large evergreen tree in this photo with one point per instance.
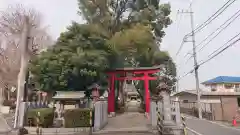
(119, 16)
(118, 33)
(78, 59)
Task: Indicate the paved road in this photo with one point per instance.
(133, 106)
(3, 125)
(204, 127)
(129, 123)
(127, 120)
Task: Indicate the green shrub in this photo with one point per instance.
(46, 117)
(78, 118)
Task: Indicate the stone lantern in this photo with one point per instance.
(95, 91)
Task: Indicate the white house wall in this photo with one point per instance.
(189, 97)
(219, 88)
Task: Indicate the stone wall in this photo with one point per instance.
(100, 115)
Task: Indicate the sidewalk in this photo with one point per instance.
(228, 124)
(3, 124)
(205, 127)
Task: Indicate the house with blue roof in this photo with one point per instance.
(223, 84)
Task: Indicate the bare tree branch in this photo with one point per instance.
(11, 28)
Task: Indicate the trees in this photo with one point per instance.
(21, 29)
(117, 16)
(78, 59)
(118, 33)
(11, 28)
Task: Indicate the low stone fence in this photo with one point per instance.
(60, 131)
(165, 116)
(158, 107)
(100, 115)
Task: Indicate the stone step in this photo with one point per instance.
(124, 131)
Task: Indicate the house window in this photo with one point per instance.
(237, 89)
(228, 86)
(213, 87)
(185, 101)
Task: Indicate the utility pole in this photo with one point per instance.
(195, 61)
(23, 67)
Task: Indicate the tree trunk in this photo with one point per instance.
(25, 56)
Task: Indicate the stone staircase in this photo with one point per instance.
(126, 131)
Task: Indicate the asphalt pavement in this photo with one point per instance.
(3, 125)
(204, 127)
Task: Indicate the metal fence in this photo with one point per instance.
(190, 108)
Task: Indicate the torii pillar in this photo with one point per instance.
(111, 95)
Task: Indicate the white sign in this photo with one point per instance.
(210, 101)
(13, 89)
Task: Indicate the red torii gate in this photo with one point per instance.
(145, 71)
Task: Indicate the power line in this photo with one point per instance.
(207, 22)
(215, 55)
(177, 29)
(224, 45)
(221, 51)
(214, 16)
(221, 30)
(181, 77)
(181, 46)
(179, 20)
(232, 18)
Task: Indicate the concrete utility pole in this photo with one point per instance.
(196, 65)
(195, 61)
(23, 67)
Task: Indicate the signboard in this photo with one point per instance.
(13, 89)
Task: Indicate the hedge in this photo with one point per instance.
(46, 117)
(82, 117)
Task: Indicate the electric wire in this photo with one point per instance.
(211, 56)
(220, 32)
(207, 22)
(231, 19)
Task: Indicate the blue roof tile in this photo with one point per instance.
(223, 79)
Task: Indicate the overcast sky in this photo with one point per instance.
(59, 13)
